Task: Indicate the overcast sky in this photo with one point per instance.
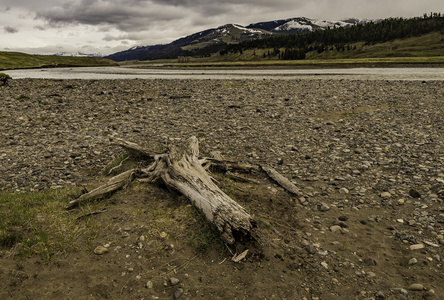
(108, 26)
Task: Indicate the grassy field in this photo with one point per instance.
(38, 223)
(425, 49)
(306, 63)
(427, 45)
(16, 60)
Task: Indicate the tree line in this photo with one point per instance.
(295, 46)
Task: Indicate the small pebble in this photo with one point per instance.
(380, 295)
(370, 261)
(178, 293)
(100, 250)
(324, 207)
(343, 218)
(404, 292)
(335, 228)
(371, 274)
(343, 191)
(416, 287)
(310, 249)
(386, 195)
(414, 193)
(416, 246)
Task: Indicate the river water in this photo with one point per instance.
(129, 72)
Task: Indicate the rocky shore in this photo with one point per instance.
(374, 149)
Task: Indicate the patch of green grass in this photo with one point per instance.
(42, 119)
(22, 97)
(40, 86)
(37, 223)
(17, 60)
(263, 223)
(4, 78)
(203, 238)
(233, 84)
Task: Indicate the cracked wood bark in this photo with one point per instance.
(182, 171)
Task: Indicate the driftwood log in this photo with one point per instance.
(182, 170)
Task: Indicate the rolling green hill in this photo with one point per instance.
(394, 37)
(17, 60)
(413, 49)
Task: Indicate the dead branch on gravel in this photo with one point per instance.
(110, 186)
(284, 182)
(181, 169)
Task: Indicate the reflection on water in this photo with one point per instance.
(256, 73)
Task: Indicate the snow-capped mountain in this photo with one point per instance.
(79, 54)
(302, 24)
(210, 41)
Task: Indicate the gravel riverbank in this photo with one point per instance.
(373, 148)
(385, 134)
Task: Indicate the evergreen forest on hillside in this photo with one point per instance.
(296, 46)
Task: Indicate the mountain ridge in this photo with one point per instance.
(207, 42)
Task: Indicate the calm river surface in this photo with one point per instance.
(255, 73)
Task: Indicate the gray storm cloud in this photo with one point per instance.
(129, 16)
(135, 15)
(148, 22)
(10, 29)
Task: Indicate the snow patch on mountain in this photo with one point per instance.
(294, 25)
(78, 54)
(305, 24)
(244, 29)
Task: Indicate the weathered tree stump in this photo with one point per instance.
(182, 170)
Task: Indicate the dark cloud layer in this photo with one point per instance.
(134, 15)
(110, 23)
(10, 29)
